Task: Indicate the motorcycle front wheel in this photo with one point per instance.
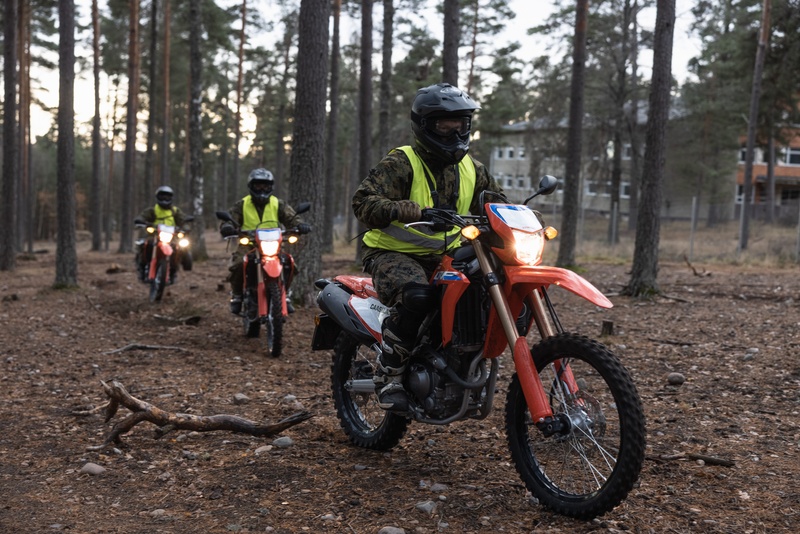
(274, 325)
(365, 423)
(590, 467)
(250, 319)
(157, 284)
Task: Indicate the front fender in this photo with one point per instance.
(545, 276)
(165, 248)
(272, 266)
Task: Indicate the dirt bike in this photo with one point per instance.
(573, 418)
(268, 273)
(157, 249)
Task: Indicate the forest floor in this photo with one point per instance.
(732, 331)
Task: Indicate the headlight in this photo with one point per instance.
(165, 237)
(183, 243)
(269, 248)
(528, 246)
(244, 240)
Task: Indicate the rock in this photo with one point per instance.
(391, 530)
(426, 506)
(675, 379)
(283, 442)
(438, 488)
(93, 469)
(240, 398)
(263, 450)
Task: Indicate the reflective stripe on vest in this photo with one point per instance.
(164, 216)
(268, 219)
(421, 240)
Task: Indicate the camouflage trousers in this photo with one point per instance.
(391, 271)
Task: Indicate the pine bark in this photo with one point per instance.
(8, 252)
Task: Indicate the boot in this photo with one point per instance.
(395, 351)
(236, 304)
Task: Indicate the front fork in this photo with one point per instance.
(532, 387)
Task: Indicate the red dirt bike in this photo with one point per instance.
(574, 421)
(162, 242)
(268, 273)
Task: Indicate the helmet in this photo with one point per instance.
(441, 119)
(164, 196)
(260, 183)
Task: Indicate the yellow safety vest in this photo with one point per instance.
(268, 219)
(164, 216)
(422, 240)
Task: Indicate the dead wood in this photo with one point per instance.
(189, 320)
(167, 422)
(703, 273)
(139, 346)
(710, 460)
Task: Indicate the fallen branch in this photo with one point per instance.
(704, 273)
(139, 346)
(191, 320)
(167, 422)
(710, 460)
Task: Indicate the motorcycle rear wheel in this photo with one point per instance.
(365, 423)
(273, 327)
(158, 283)
(250, 319)
(589, 469)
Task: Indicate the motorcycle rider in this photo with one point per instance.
(163, 212)
(435, 172)
(258, 209)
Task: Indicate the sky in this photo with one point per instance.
(528, 13)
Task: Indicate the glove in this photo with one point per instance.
(406, 211)
(228, 230)
(304, 228)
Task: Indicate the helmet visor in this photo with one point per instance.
(261, 187)
(447, 126)
(164, 197)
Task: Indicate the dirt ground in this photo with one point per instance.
(734, 334)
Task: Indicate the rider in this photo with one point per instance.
(258, 209)
(162, 213)
(435, 172)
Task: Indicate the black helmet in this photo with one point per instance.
(448, 141)
(164, 196)
(260, 183)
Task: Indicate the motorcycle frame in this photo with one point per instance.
(268, 268)
(165, 250)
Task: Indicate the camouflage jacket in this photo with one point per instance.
(149, 215)
(391, 180)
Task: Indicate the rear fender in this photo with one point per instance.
(359, 317)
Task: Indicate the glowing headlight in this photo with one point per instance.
(150, 230)
(244, 241)
(292, 239)
(165, 237)
(269, 248)
(528, 246)
(183, 243)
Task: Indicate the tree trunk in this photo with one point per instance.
(195, 132)
(8, 247)
(333, 129)
(473, 48)
(66, 255)
(633, 122)
(27, 196)
(452, 37)
(752, 125)
(147, 186)
(96, 200)
(165, 174)
(129, 176)
(644, 272)
(365, 98)
(572, 175)
(308, 151)
(386, 79)
(237, 121)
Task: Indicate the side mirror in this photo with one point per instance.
(139, 221)
(547, 185)
(302, 207)
(188, 218)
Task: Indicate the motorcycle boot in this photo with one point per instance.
(236, 304)
(398, 334)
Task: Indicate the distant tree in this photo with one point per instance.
(8, 246)
(237, 121)
(572, 175)
(308, 150)
(166, 100)
(644, 273)
(129, 171)
(331, 132)
(483, 20)
(385, 96)
(196, 188)
(452, 38)
(152, 82)
(66, 255)
(96, 213)
(365, 97)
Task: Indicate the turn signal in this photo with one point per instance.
(550, 233)
(470, 232)
(292, 239)
(244, 240)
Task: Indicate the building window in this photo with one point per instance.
(521, 151)
(510, 153)
(742, 154)
(793, 156)
(499, 152)
(521, 182)
(790, 194)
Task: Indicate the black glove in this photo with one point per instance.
(304, 228)
(228, 230)
(406, 211)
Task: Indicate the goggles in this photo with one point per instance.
(447, 126)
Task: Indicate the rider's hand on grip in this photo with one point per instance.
(406, 211)
(227, 230)
(303, 228)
